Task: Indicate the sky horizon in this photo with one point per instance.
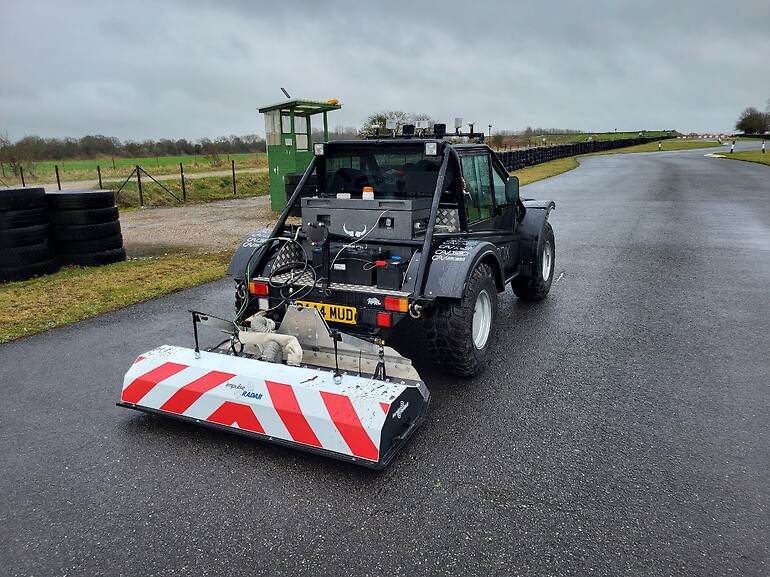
(197, 69)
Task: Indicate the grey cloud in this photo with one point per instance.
(199, 68)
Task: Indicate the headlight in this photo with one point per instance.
(318, 149)
(431, 149)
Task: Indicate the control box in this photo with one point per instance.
(376, 219)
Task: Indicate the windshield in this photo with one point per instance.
(391, 171)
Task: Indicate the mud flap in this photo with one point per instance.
(354, 417)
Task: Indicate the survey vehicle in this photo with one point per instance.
(376, 233)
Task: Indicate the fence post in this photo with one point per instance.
(184, 190)
(21, 171)
(58, 180)
(99, 172)
(233, 163)
(139, 184)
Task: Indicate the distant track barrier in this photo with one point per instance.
(523, 157)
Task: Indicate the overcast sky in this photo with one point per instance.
(198, 68)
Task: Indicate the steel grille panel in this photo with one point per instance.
(448, 219)
(289, 253)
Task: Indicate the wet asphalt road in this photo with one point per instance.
(621, 429)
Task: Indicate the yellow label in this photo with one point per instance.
(333, 313)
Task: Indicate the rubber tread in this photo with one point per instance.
(23, 218)
(25, 255)
(80, 199)
(28, 271)
(535, 288)
(84, 216)
(22, 198)
(95, 258)
(23, 236)
(89, 246)
(65, 233)
(449, 334)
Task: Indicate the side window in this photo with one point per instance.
(499, 184)
(478, 187)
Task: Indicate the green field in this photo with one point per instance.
(146, 163)
(77, 170)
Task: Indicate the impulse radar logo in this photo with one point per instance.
(244, 393)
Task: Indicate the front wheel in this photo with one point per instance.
(461, 332)
(537, 286)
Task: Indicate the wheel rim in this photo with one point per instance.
(482, 320)
(547, 260)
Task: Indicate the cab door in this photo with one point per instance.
(489, 216)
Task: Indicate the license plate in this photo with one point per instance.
(333, 313)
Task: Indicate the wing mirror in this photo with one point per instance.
(512, 189)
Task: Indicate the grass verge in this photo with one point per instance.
(665, 145)
(545, 170)
(75, 293)
(749, 156)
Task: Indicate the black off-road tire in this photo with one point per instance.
(28, 271)
(537, 286)
(453, 344)
(80, 199)
(23, 236)
(23, 218)
(22, 198)
(71, 247)
(66, 233)
(95, 258)
(25, 255)
(87, 216)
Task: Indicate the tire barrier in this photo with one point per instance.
(25, 245)
(85, 229)
(517, 159)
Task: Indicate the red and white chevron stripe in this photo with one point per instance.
(295, 404)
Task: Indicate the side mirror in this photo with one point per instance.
(512, 189)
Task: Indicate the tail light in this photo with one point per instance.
(258, 288)
(396, 305)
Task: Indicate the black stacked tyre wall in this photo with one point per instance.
(85, 228)
(25, 248)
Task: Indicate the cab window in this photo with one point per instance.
(478, 187)
(499, 185)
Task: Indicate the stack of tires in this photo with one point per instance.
(25, 248)
(84, 227)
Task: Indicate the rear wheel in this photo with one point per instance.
(537, 286)
(461, 332)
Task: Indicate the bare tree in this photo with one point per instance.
(11, 155)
